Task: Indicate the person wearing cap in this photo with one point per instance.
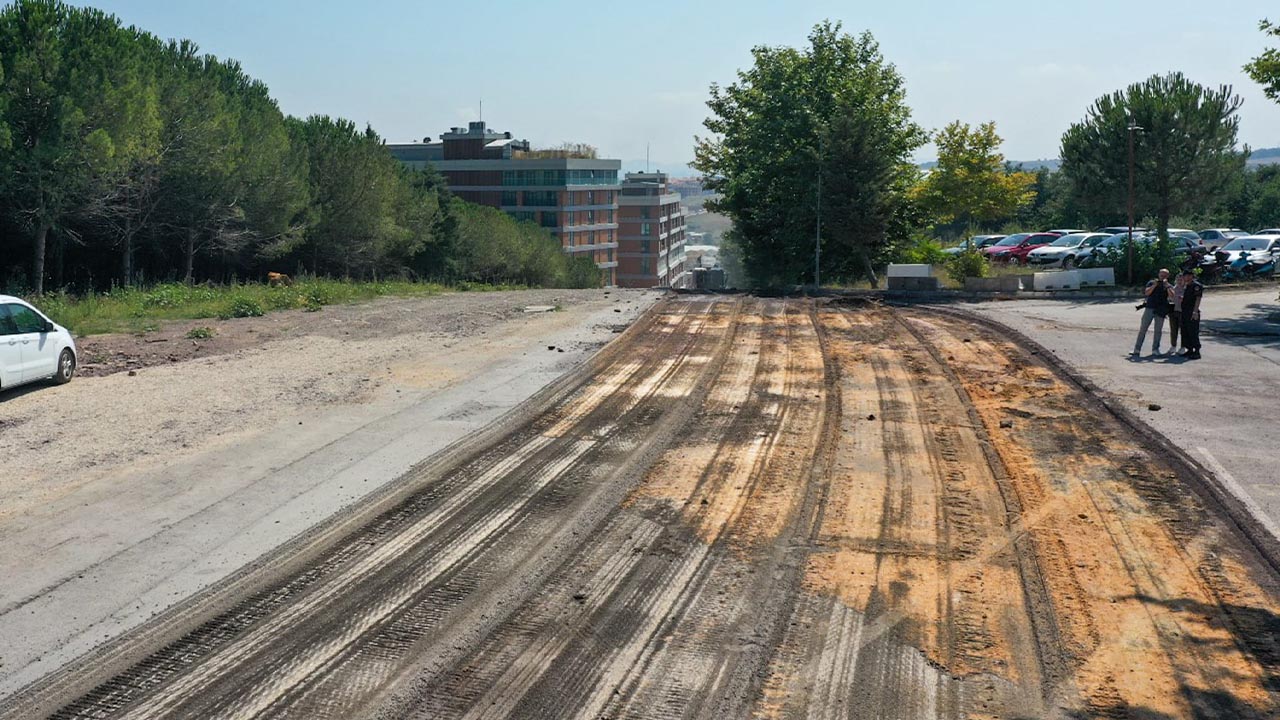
(1192, 292)
(1175, 309)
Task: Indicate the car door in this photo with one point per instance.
(39, 356)
(10, 350)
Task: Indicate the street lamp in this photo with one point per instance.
(817, 240)
(1133, 127)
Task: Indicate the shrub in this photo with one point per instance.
(970, 263)
(1148, 259)
(923, 251)
(241, 307)
(200, 333)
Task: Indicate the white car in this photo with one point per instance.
(1217, 237)
(1255, 245)
(1063, 251)
(32, 347)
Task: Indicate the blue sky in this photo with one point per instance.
(619, 75)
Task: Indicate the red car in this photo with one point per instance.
(1016, 247)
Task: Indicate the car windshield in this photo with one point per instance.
(1013, 240)
(1234, 233)
(1093, 240)
(1247, 244)
(1068, 240)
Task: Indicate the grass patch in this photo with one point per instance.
(142, 309)
(201, 333)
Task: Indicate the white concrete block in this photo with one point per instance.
(1060, 280)
(901, 270)
(1095, 277)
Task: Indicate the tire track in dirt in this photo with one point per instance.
(912, 573)
(1127, 548)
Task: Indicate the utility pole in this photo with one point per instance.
(817, 240)
(1133, 127)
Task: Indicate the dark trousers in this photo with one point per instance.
(1190, 332)
(1175, 325)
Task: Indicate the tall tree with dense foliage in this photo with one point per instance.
(1184, 155)
(1265, 69)
(78, 106)
(835, 110)
(970, 183)
(147, 160)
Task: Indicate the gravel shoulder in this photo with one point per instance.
(125, 492)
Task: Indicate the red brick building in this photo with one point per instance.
(575, 198)
(650, 233)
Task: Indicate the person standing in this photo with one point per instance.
(1175, 309)
(1192, 293)
(1155, 307)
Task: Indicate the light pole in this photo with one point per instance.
(817, 238)
(1133, 127)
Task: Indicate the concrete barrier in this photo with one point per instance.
(1004, 283)
(1097, 277)
(912, 284)
(897, 270)
(1059, 280)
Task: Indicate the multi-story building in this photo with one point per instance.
(573, 196)
(650, 233)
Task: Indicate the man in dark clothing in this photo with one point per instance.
(1191, 295)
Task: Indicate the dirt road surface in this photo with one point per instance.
(745, 507)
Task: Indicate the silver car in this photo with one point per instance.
(1063, 251)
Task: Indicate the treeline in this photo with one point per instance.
(126, 159)
(813, 146)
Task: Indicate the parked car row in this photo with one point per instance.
(1067, 248)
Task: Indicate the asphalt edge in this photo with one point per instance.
(1217, 494)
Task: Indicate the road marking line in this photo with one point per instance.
(1241, 494)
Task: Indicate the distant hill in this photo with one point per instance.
(1258, 156)
(1265, 156)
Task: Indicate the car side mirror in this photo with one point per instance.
(48, 327)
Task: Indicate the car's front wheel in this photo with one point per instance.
(66, 367)
(1068, 262)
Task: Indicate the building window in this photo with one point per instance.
(591, 217)
(524, 215)
(644, 213)
(646, 266)
(646, 229)
(542, 198)
(509, 198)
(591, 197)
(550, 219)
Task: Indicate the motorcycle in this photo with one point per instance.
(1210, 264)
(1249, 266)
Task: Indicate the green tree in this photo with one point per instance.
(77, 107)
(834, 110)
(1185, 153)
(1265, 69)
(971, 183)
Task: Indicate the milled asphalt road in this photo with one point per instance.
(1223, 410)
